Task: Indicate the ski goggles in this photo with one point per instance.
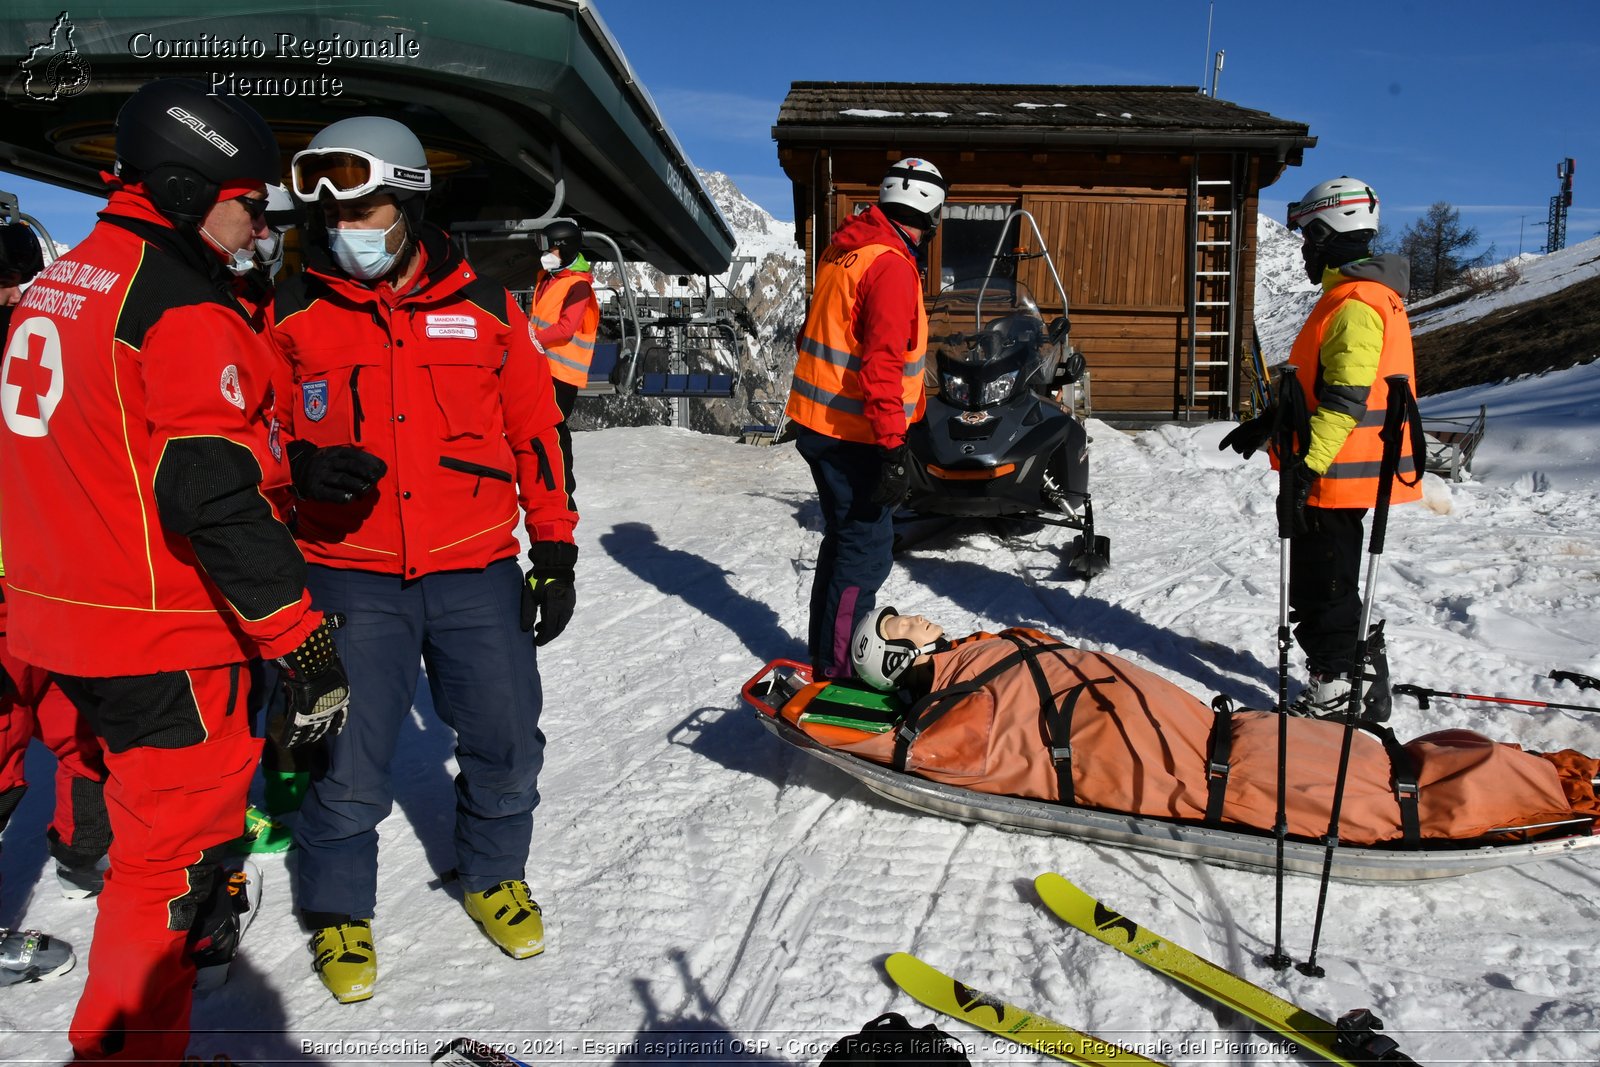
(348, 173)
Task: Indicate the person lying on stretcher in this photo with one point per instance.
(1023, 713)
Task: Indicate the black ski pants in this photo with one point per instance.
(1325, 588)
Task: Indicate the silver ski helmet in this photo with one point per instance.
(912, 193)
(362, 155)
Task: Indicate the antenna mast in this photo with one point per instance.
(1556, 239)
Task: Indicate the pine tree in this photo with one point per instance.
(1433, 244)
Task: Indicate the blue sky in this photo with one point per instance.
(1471, 102)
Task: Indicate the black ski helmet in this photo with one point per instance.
(20, 251)
(183, 144)
(565, 239)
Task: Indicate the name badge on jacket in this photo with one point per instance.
(464, 327)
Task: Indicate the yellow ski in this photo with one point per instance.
(944, 994)
(1311, 1032)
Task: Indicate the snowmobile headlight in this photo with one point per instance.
(957, 389)
(998, 389)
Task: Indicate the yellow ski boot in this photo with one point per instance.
(510, 917)
(345, 960)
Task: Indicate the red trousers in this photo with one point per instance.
(33, 707)
(180, 757)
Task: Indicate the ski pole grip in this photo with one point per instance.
(1408, 690)
(1582, 681)
(1394, 420)
(1290, 439)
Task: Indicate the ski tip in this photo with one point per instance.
(898, 964)
(1048, 880)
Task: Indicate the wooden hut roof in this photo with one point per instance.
(1129, 115)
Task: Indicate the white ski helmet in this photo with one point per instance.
(878, 661)
(913, 193)
(1343, 204)
(282, 215)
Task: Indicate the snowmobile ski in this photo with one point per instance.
(944, 994)
(1353, 1041)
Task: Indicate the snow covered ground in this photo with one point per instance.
(713, 896)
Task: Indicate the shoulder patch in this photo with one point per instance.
(232, 392)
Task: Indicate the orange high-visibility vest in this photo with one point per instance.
(568, 362)
(1351, 481)
(827, 395)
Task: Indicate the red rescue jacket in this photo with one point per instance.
(131, 370)
(445, 385)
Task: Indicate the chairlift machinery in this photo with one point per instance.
(668, 347)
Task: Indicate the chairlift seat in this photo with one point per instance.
(606, 354)
(702, 386)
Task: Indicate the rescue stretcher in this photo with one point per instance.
(1242, 849)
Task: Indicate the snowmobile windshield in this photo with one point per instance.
(988, 340)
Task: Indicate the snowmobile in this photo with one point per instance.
(996, 441)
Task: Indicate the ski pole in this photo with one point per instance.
(1400, 408)
(1423, 695)
(1292, 437)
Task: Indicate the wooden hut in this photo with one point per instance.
(1146, 195)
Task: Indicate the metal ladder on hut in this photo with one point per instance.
(1215, 217)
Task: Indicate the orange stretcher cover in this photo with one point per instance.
(1139, 744)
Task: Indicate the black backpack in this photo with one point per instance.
(890, 1039)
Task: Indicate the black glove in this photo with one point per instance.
(1248, 436)
(335, 474)
(1292, 511)
(548, 597)
(894, 476)
(316, 691)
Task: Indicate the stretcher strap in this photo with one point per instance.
(1406, 789)
(927, 711)
(1217, 764)
(1055, 720)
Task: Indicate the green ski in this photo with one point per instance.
(1351, 1042)
(944, 994)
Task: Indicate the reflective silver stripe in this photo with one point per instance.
(847, 360)
(914, 370)
(1369, 469)
(557, 357)
(579, 343)
(541, 323)
(818, 395)
(1371, 419)
(911, 411)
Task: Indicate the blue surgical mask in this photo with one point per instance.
(239, 261)
(363, 254)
